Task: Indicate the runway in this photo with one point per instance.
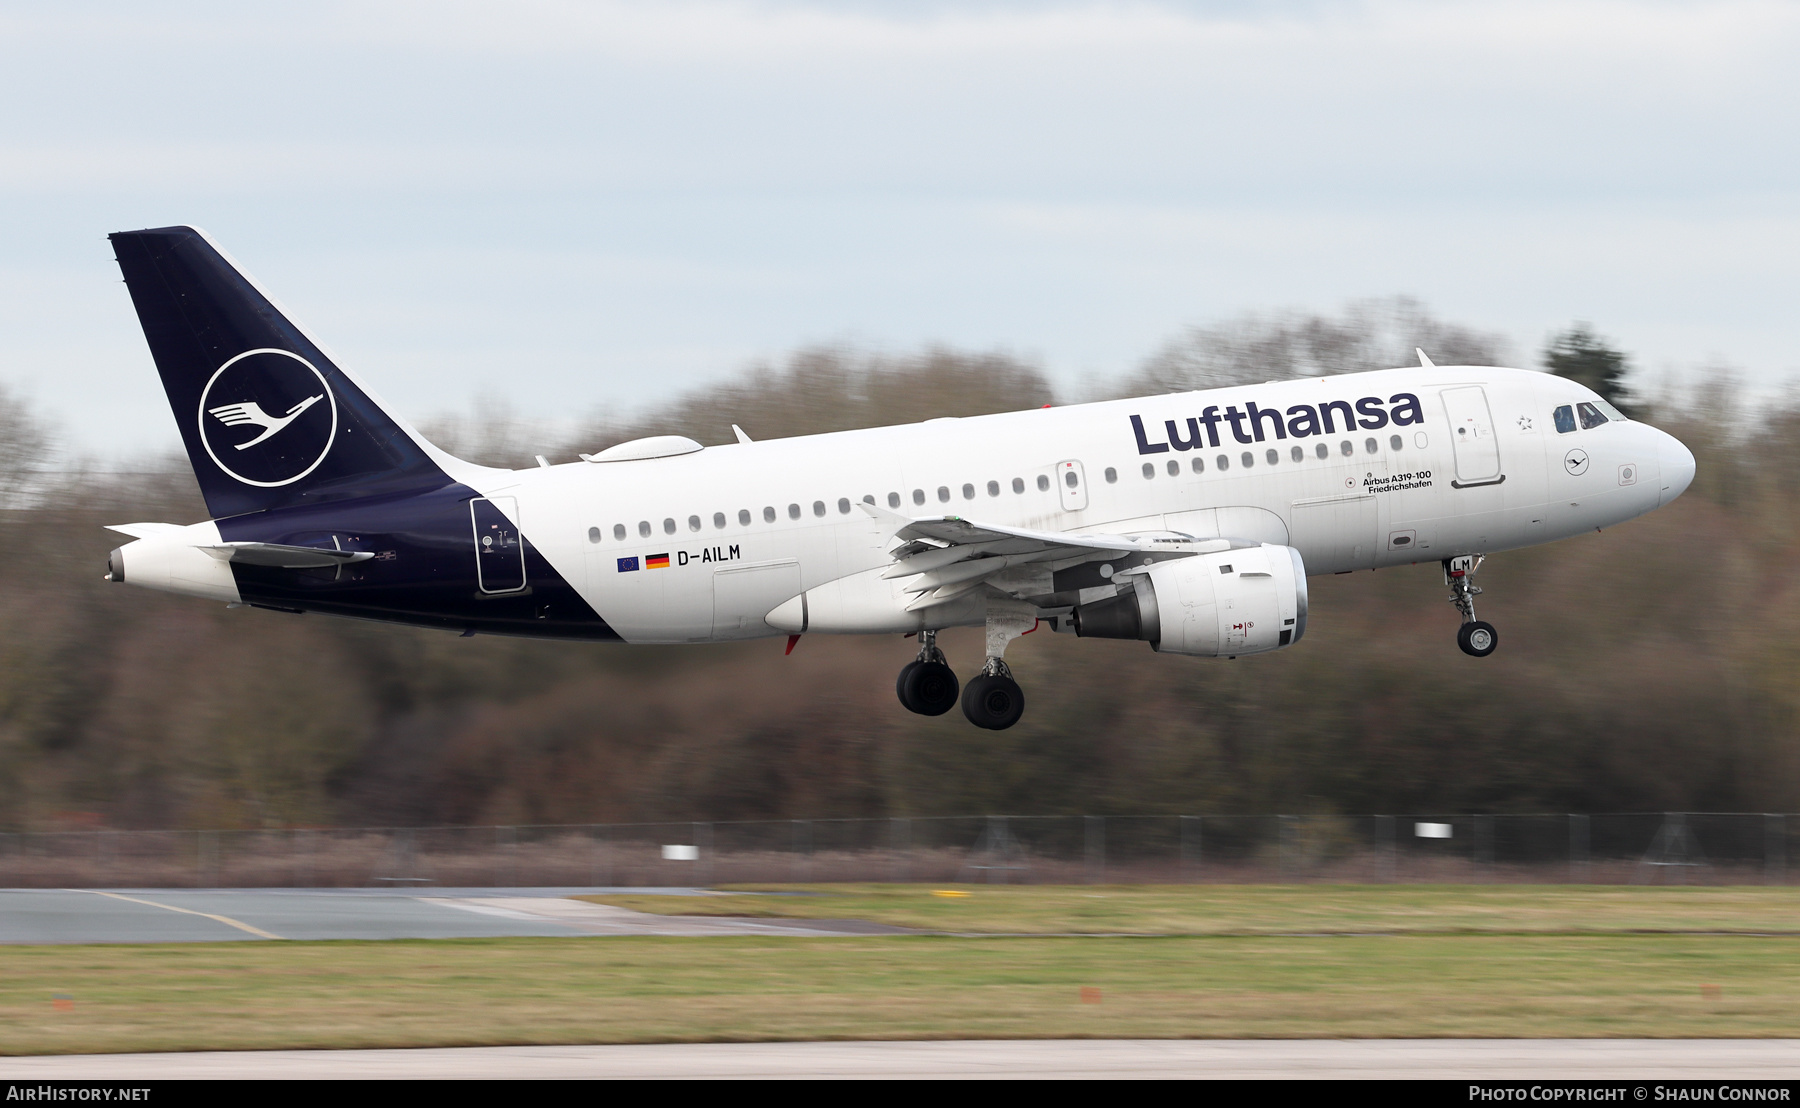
(216, 915)
(1513, 1060)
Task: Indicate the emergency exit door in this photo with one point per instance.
(1071, 483)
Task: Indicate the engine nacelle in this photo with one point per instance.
(1243, 601)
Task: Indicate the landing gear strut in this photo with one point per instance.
(1476, 638)
(927, 686)
(994, 700)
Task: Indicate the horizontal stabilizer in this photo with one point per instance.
(284, 557)
(143, 530)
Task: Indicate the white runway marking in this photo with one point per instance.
(1521, 1060)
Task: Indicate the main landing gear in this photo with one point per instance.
(927, 686)
(992, 698)
(1476, 638)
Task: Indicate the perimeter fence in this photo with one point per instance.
(1623, 848)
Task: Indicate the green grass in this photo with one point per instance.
(1263, 909)
(512, 991)
(1501, 962)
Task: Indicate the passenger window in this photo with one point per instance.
(1018, 484)
(668, 526)
(1199, 466)
(843, 505)
(1043, 483)
(1346, 449)
(1111, 475)
(693, 523)
(893, 500)
(943, 494)
(1297, 454)
(968, 492)
(1565, 419)
(1272, 455)
(743, 517)
(593, 534)
(918, 496)
(1149, 471)
(1590, 416)
(1222, 462)
(1322, 451)
(993, 488)
(644, 528)
(769, 514)
(1071, 480)
(1247, 460)
(793, 511)
(1394, 442)
(818, 507)
(719, 521)
(619, 531)
(1174, 468)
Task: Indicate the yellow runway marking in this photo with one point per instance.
(239, 924)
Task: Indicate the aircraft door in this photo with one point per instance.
(1071, 484)
(499, 548)
(1472, 437)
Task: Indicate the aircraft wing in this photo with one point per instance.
(948, 556)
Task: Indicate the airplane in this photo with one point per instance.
(1189, 521)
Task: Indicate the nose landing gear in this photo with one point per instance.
(928, 685)
(1476, 638)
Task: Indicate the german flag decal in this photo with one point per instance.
(656, 561)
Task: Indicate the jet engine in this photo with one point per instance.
(1243, 601)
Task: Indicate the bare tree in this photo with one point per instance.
(1370, 334)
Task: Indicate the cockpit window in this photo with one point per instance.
(1590, 416)
(1612, 413)
(1565, 419)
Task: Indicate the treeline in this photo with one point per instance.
(1646, 668)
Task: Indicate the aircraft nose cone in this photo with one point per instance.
(1677, 465)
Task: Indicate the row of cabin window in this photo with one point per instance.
(1248, 458)
(1222, 463)
(819, 509)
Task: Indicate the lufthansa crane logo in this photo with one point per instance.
(267, 417)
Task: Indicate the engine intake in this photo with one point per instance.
(1244, 601)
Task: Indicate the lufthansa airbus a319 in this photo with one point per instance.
(1189, 521)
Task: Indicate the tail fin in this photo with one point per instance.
(267, 419)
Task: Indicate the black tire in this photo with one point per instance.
(1477, 639)
(928, 688)
(995, 703)
(906, 672)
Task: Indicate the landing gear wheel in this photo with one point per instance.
(994, 701)
(928, 688)
(1477, 639)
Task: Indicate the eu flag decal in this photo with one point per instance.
(627, 565)
(656, 561)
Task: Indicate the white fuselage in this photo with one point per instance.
(1476, 465)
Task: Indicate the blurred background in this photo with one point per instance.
(1647, 668)
(548, 227)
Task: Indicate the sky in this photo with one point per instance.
(573, 207)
